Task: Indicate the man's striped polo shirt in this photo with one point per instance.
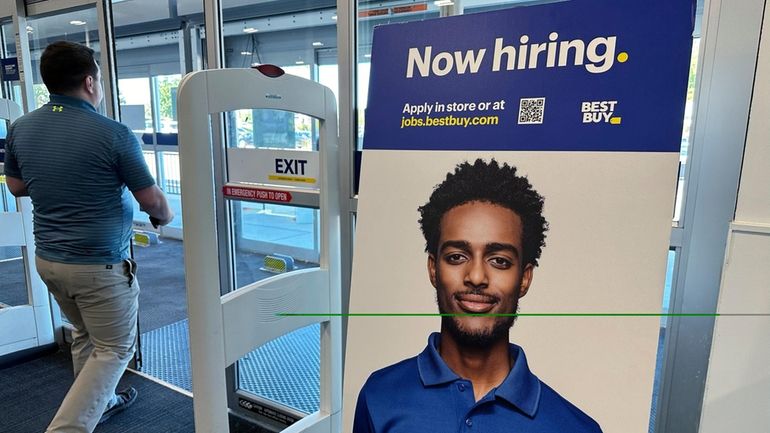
(78, 167)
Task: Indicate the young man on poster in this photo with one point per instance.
(484, 233)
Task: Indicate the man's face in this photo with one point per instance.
(477, 269)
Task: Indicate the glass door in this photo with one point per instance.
(13, 288)
(280, 380)
(79, 25)
(155, 46)
(148, 107)
(81, 21)
(25, 310)
(25, 316)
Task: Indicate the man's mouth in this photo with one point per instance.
(475, 303)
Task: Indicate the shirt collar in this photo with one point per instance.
(433, 369)
(520, 388)
(71, 101)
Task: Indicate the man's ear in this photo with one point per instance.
(90, 83)
(432, 269)
(526, 279)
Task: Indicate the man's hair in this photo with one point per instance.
(489, 183)
(64, 65)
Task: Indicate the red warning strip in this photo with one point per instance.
(373, 12)
(420, 7)
(246, 193)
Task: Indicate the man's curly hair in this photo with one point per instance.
(490, 183)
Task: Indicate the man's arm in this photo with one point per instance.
(16, 186)
(153, 201)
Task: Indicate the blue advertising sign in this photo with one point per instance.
(581, 75)
(10, 69)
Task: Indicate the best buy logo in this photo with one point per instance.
(600, 112)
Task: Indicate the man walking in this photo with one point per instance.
(78, 168)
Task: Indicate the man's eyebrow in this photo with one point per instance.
(499, 246)
(461, 245)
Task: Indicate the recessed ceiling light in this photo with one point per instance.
(77, 23)
(250, 30)
(334, 17)
(299, 62)
(318, 44)
(246, 53)
(444, 3)
(367, 56)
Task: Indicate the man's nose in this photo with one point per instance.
(476, 274)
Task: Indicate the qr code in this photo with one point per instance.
(531, 111)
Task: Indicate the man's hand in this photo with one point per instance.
(153, 201)
(157, 222)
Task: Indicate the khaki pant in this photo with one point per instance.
(101, 302)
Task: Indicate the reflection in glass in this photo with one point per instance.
(272, 129)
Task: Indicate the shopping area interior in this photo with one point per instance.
(147, 46)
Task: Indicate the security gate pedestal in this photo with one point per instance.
(226, 324)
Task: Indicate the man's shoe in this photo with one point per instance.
(126, 399)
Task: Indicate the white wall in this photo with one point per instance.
(737, 395)
(754, 194)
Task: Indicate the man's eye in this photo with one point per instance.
(500, 262)
(455, 258)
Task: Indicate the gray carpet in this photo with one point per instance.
(163, 299)
(30, 394)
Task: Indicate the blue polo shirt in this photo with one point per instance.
(424, 394)
(78, 167)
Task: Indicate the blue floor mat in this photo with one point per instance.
(285, 370)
